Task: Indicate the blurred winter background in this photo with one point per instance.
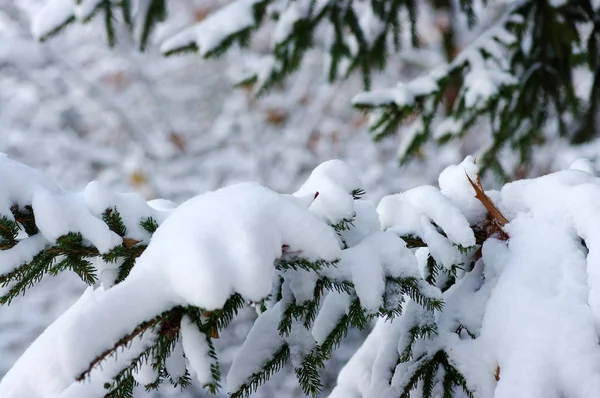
(174, 127)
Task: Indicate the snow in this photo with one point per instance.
(145, 374)
(371, 26)
(584, 164)
(543, 283)
(365, 223)
(196, 349)
(334, 307)
(230, 254)
(556, 201)
(85, 8)
(301, 342)
(404, 213)
(367, 264)
(302, 284)
(175, 363)
(334, 180)
(355, 377)
(52, 15)
(293, 13)
(43, 370)
(523, 300)
(57, 215)
(23, 252)
(211, 246)
(482, 84)
(132, 208)
(449, 126)
(216, 28)
(454, 185)
(260, 345)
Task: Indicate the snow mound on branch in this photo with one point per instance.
(524, 321)
(367, 264)
(58, 212)
(334, 180)
(226, 241)
(210, 247)
(209, 34)
(455, 185)
(415, 211)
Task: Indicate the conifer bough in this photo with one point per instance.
(469, 290)
(516, 77)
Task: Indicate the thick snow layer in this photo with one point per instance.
(226, 241)
(334, 182)
(454, 185)
(365, 222)
(210, 247)
(538, 324)
(412, 213)
(355, 378)
(48, 367)
(367, 264)
(524, 320)
(175, 363)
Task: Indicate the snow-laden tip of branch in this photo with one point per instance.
(412, 213)
(51, 17)
(213, 31)
(455, 186)
(367, 264)
(334, 180)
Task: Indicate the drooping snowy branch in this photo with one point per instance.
(243, 243)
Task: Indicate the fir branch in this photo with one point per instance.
(215, 370)
(357, 193)
(156, 12)
(115, 223)
(296, 263)
(345, 224)
(413, 241)
(426, 369)
(220, 319)
(149, 224)
(24, 216)
(411, 286)
(424, 331)
(308, 373)
(273, 365)
(433, 269)
(9, 230)
(166, 320)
